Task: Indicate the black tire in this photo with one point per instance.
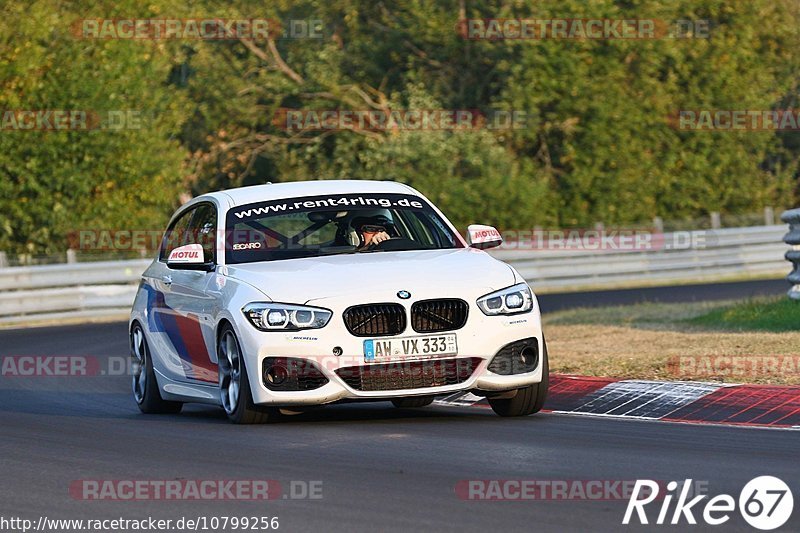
(413, 402)
(242, 410)
(145, 387)
(529, 399)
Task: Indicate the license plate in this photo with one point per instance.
(410, 347)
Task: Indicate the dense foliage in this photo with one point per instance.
(597, 145)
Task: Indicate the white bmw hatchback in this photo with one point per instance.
(284, 296)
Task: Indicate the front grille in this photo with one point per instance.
(375, 320)
(516, 358)
(431, 316)
(297, 374)
(409, 374)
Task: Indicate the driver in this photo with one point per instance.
(371, 230)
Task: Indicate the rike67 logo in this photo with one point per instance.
(765, 503)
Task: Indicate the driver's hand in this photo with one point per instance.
(378, 238)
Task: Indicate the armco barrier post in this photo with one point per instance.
(3, 260)
(792, 217)
(769, 216)
(658, 224)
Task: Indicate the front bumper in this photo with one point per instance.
(478, 342)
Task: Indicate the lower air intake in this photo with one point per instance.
(409, 374)
(291, 374)
(516, 358)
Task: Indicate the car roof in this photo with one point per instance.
(277, 191)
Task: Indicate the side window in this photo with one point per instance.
(177, 234)
(203, 230)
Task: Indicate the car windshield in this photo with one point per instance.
(333, 224)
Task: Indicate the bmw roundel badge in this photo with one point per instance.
(403, 295)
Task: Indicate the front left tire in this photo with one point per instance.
(145, 387)
(528, 400)
(234, 384)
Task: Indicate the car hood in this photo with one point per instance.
(429, 273)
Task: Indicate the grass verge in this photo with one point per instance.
(758, 315)
(750, 341)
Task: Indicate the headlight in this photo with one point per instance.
(508, 301)
(285, 317)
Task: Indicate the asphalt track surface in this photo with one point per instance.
(381, 468)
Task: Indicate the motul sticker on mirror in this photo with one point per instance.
(191, 253)
(479, 234)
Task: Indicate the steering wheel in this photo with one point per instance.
(395, 243)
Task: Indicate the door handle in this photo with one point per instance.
(167, 280)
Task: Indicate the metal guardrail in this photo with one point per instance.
(59, 291)
(792, 217)
(73, 274)
(101, 288)
(726, 252)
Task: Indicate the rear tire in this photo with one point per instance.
(413, 402)
(145, 386)
(234, 383)
(529, 399)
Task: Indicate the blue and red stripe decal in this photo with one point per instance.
(185, 335)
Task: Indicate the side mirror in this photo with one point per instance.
(188, 257)
(483, 237)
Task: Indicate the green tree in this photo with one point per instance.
(55, 182)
